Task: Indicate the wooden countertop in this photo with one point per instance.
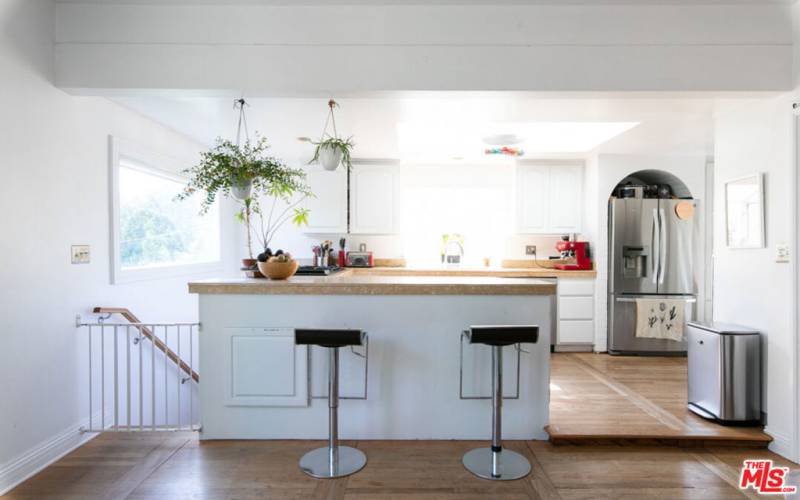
(355, 283)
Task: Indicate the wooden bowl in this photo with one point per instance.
(278, 270)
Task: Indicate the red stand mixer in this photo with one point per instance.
(576, 251)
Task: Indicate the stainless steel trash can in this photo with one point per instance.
(724, 372)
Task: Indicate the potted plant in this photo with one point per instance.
(246, 172)
(332, 150)
(287, 191)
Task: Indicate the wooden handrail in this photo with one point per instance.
(125, 313)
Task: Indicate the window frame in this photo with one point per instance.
(160, 165)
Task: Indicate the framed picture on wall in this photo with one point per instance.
(744, 212)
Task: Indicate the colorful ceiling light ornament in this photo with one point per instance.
(505, 151)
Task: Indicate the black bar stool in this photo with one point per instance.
(495, 463)
(333, 460)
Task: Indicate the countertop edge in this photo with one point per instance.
(273, 288)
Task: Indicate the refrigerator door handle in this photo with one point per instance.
(654, 245)
(689, 300)
(662, 239)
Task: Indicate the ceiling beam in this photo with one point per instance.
(274, 50)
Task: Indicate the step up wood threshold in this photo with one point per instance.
(654, 440)
(666, 427)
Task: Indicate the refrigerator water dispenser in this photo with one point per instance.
(634, 261)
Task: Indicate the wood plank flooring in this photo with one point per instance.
(625, 407)
(597, 397)
(178, 466)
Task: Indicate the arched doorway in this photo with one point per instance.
(651, 257)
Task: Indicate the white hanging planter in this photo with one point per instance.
(330, 157)
(242, 191)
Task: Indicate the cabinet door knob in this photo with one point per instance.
(700, 342)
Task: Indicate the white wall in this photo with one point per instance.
(604, 172)
(750, 288)
(323, 49)
(54, 193)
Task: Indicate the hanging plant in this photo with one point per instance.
(245, 172)
(331, 150)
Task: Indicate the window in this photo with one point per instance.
(480, 214)
(154, 234)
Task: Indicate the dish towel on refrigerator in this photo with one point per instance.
(660, 319)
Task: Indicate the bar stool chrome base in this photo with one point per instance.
(345, 461)
(504, 465)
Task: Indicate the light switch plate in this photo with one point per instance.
(782, 253)
(530, 249)
(80, 254)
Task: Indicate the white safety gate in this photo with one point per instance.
(141, 376)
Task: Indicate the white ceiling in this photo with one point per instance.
(665, 125)
(440, 2)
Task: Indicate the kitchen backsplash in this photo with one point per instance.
(545, 246)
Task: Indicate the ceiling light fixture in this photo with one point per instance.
(443, 138)
(504, 151)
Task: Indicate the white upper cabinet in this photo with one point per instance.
(372, 199)
(566, 193)
(532, 198)
(549, 198)
(329, 204)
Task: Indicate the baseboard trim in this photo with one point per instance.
(16, 471)
(781, 443)
(573, 348)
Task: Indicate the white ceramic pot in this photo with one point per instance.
(242, 191)
(330, 157)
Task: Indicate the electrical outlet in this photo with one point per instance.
(782, 253)
(530, 249)
(80, 254)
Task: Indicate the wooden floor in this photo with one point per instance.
(630, 410)
(178, 466)
(602, 397)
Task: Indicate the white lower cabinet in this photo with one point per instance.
(576, 332)
(575, 314)
(265, 368)
(575, 308)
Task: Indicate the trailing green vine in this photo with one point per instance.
(227, 166)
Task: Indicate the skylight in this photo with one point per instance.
(446, 139)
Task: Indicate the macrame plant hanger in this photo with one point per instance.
(245, 192)
(239, 104)
(330, 120)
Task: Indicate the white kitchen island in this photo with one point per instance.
(256, 384)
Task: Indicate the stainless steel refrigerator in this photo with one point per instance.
(650, 255)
